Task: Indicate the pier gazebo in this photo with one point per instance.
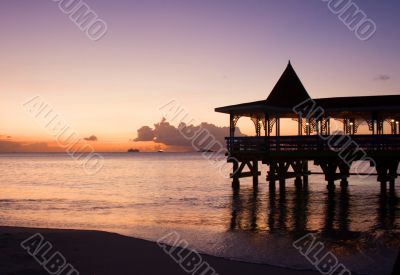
(334, 150)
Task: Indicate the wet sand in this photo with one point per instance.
(95, 252)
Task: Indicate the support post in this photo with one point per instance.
(305, 172)
(298, 182)
(271, 175)
(266, 125)
(255, 173)
(373, 126)
(282, 185)
(300, 125)
(383, 187)
(344, 169)
(394, 126)
(328, 123)
(392, 185)
(277, 127)
(235, 176)
(378, 127)
(231, 131)
(238, 172)
(331, 185)
(277, 132)
(387, 172)
(232, 126)
(329, 168)
(257, 126)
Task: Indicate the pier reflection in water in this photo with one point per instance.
(334, 214)
(361, 229)
(386, 211)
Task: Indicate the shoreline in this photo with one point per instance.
(99, 252)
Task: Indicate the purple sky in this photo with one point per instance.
(204, 53)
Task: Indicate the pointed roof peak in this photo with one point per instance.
(288, 91)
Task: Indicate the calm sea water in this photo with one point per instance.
(147, 195)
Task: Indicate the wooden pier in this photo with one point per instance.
(335, 150)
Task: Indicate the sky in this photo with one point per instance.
(204, 54)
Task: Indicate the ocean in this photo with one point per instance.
(148, 195)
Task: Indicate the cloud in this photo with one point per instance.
(189, 136)
(145, 134)
(383, 77)
(91, 138)
(7, 146)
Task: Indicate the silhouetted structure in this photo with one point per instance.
(333, 152)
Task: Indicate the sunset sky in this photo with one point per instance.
(205, 54)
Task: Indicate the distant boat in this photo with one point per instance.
(206, 151)
(133, 150)
(160, 151)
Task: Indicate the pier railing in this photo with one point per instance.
(314, 143)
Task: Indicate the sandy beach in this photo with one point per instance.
(95, 252)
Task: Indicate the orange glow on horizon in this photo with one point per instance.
(31, 145)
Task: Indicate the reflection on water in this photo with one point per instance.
(289, 213)
(386, 211)
(337, 221)
(147, 195)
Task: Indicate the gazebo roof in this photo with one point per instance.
(289, 92)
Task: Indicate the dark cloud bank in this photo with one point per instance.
(195, 137)
(8, 146)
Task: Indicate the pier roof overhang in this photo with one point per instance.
(290, 92)
(336, 106)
